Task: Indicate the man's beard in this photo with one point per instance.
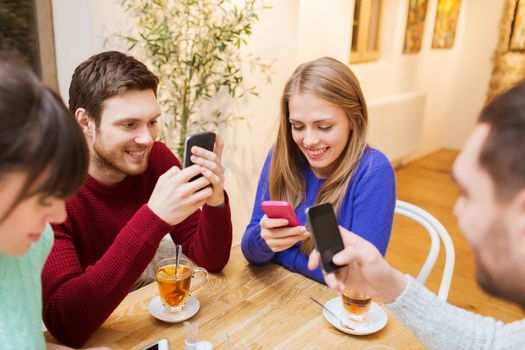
(111, 163)
(507, 282)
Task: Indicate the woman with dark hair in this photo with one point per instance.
(43, 161)
(321, 156)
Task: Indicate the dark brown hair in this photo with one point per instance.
(39, 137)
(503, 153)
(105, 75)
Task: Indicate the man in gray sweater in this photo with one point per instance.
(490, 172)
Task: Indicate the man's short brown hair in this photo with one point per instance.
(105, 75)
(503, 153)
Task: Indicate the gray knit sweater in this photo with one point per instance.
(439, 325)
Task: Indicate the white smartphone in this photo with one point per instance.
(162, 344)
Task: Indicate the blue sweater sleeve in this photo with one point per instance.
(253, 246)
(255, 249)
(367, 210)
(373, 202)
(294, 260)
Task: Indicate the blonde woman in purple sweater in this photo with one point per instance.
(321, 155)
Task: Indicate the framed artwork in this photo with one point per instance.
(446, 23)
(18, 39)
(417, 11)
(26, 36)
(517, 32)
(366, 30)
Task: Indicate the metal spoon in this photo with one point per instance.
(333, 314)
(178, 251)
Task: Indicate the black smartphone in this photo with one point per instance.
(205, 140)
(322, 224)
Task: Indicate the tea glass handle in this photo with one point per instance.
(203, 280)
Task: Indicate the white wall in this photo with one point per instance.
(81, 29)
(474, 67)
(293, 31)
(453, 80)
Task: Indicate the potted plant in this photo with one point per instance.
(194, 46)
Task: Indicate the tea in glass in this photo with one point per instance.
(175, 286)
(356, 305)
(173, 289)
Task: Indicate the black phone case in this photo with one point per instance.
(326, 254)
(205, 140)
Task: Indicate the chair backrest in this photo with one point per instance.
(437, 233)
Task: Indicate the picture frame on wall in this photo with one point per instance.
(517, 32)
(26, 37)
(366, 31)
(447, 16)
(417, 11)
(18, 39)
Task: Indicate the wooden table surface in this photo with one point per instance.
(258, 307)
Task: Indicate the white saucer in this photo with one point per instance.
(377, 317)
(157, 310)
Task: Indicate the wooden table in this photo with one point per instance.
(258, 307)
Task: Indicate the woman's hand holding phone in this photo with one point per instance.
(278, 236)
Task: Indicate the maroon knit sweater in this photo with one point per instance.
(107, 241)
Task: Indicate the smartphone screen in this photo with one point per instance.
(204, 140)
(325, 231)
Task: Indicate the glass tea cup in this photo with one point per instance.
(356, 304)
(174, 288)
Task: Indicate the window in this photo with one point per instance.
(26, 36)
(366, 31)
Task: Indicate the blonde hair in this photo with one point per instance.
(332, 82)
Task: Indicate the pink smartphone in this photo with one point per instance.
(280, 210)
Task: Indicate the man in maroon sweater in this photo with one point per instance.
(135, 194)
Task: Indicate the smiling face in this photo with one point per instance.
(121, 144)
(24, 224)
(320, 130)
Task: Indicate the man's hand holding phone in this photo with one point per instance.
(175, 197)
(210, 165)
(363, 265)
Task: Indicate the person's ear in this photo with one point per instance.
(85, 121)
(519, 203)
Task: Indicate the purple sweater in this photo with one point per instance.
(367, 209)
